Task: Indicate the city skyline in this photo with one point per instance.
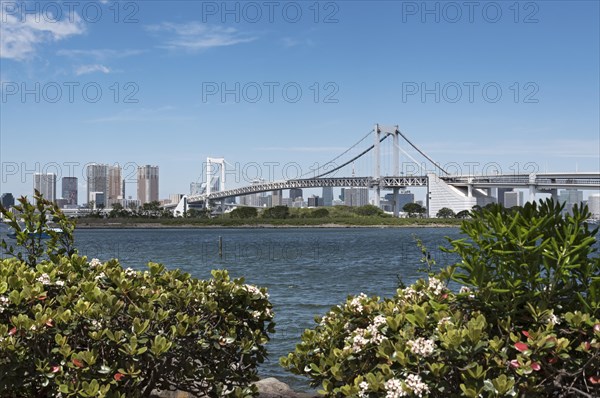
(181, 83)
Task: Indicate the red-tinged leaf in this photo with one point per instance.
(12, 331)
(42, 298)
(586, 345)
(521, 346)
(552, 360)
(77, 362)
(55, 369)
(49, 323)
(535, 366)
(118, 376)
(444, 296)
(525, 333)
(597, 328)
(594, 379)
(514, 363)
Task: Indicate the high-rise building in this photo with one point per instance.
(356, 196)
(147, 181)
(327, 196)
(69, 190)
(404, 197)
(276, 197)
(97, 181)
(114, 194)
(513, 198)
(295, 193)
(8, 200)
(315, 201)
(45, 183)
(570, 197)
(594, 205)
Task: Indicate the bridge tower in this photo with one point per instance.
(381, 132)
(213, 165)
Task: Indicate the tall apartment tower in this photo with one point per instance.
(147, 184)
(69, 190)
(327, 196)
(97, 181)
(45, 183)
(115, 186)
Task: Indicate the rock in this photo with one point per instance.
(273, 388)
(267, 388)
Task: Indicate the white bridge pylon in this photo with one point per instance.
(211, 171)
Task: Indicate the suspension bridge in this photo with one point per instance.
(444, 189)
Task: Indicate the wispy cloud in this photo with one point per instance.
(20, 37)
(289, 42)
(103, 54)
(86, 69)
(195, 36)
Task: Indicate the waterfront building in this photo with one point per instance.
(276, 197)
(594, 205)
(315, 201)
(69, 190)
(513, 198)
(570, 197)
(327, 195)
(356, 196)
(295, 193)
(147, 184)
(8, 200)
(45, 183)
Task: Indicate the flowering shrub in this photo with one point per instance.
(429, 341)
(73, 328)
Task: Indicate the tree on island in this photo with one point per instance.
(414, 209)
(445, 212)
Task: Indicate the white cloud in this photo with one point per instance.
(194, 36)
(85, 69)
(99, 54)
(20, 37)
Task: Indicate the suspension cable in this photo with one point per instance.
(340, 155)
(422, 153)
(353, 159)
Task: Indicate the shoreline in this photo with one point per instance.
(252, 226)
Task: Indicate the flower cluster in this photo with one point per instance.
(416, 385)
(95, 263)
(436, 286)
(355, 305)
(364, 387)
(370, 335)
(412, 295)
(393, 388)
(130, 272)
(421, 346)
(4, 302)
(256, 291)
(44, 279)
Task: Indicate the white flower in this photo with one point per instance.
(355, 304)
(44, 279)
(100, 276)
(436, 286)
(254, 290)
(553, 319)
(4, 302)
(95, 263)
(364, 386)
(416, 385)
(130, 272)
(412, 295)
(393, 388)
(59, 282)
(96, 324)
(421, 346)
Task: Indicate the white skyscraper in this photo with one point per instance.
(594, 205)
(513, 198)
(46, 185)
(147, 181)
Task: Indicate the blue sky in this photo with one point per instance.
(162, 66)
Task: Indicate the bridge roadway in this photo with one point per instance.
(540, 181)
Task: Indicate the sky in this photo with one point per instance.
(280, 86)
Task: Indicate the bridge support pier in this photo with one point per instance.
(377, 173)
(396, 202)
